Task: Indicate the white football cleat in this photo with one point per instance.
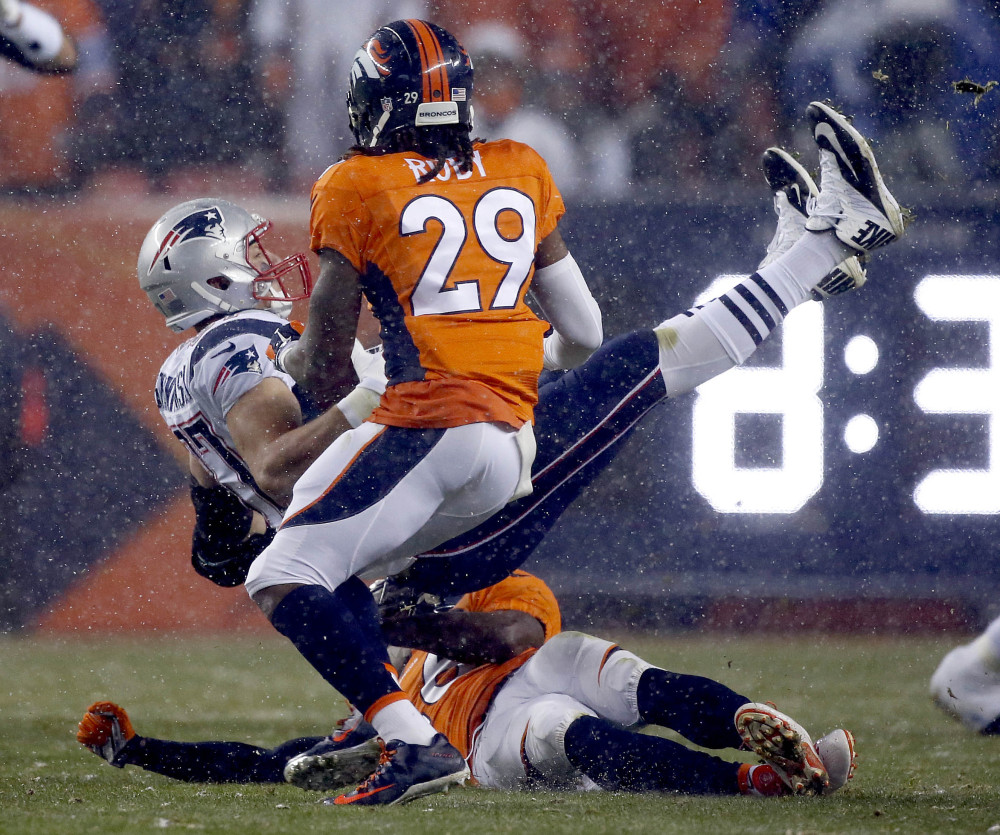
(836, 750)
(10, 12)
(853, 198)
(783, 742)
(967, 686)
(793, 187)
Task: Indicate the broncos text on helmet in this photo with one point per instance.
(206, 256)
(408, 73)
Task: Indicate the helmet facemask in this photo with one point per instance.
(279, 282)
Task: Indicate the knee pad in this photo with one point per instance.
(544, 745)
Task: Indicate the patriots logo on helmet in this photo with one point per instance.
(205, 223)
(246, 361)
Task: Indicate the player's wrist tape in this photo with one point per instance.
(279, 355)
(358, 405)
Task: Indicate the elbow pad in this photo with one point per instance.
(559, 355)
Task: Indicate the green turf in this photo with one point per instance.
(919, 772)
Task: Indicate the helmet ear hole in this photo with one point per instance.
(219, 282)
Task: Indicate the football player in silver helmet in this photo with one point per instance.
(204, 266)
(206, 258)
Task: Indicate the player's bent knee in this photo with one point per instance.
(268, 599)
(545, 738)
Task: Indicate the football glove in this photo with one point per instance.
(221, 549)
(399, 601)
(283, 339)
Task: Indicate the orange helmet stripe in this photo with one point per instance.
(435, 75)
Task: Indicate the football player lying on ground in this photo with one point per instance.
(243, 425)
(530, 707)
(34, 39)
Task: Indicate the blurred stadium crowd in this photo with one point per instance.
(625, 99)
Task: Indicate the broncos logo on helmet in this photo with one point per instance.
(206, 223)
(380, 55)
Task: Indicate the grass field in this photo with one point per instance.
(919, 772)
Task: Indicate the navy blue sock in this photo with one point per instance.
(214, 762)
(620, 760)
(699, 709)
(339, 633)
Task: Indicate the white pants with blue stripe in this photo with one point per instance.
(380, 495)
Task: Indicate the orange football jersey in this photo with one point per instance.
(445, 266)
(455, 697)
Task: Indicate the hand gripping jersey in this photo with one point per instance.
(455, 697)
(445, 266)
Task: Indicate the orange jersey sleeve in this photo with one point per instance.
(445, 266)
(455, 697)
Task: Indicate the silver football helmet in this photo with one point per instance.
(206, 257)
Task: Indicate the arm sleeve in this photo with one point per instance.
(567, 303)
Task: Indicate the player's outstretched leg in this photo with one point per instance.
(853, 199)
(621, 760)
(783, 743)
(793, 187)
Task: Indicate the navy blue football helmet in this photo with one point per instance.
(408, 73)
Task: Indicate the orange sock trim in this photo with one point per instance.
(611, 651)
(743, 778)
(385, 701)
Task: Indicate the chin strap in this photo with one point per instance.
(282, 309)
(378, 128)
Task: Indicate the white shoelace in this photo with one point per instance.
(791, 226)
(829, 203)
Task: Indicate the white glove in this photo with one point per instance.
(369, 365)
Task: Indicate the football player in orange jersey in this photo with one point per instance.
(448, 358)
(443, 237)
(530, 707)
(35, 39)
